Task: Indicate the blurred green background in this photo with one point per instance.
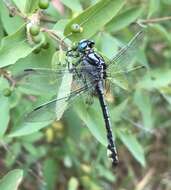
(70, 153)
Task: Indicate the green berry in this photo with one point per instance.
(45, 45)
(36, 51)
(7, 92)
(37, 39)
(34, 30)
(76, 28)
(11, 15)
(43, 4)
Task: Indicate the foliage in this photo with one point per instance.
(11, 180)
(64, 154)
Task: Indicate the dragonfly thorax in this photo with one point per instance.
(94, 65)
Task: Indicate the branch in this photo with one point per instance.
(13, 9)
(141, 185)
(154, 20)
(48, 19)
(35, 18)
(8, 76)
(55, 36)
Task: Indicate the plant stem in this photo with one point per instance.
(35, 18)
(8, 76)
(13, 9)
(154, 20)
(47, 19)
(55, 36)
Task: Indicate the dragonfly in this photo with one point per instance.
(88, 73)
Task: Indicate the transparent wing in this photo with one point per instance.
(124, 80)
(123, 62)
(54, 109)
(45, 80)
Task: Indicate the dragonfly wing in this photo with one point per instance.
(123, 79)
(120, 81)
(121, 62)
(39, 80)
(44, 80)
(53, 110)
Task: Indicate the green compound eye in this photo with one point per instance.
(43, 4)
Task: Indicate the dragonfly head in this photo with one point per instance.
(84, 45)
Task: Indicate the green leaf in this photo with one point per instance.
(60, 25)
(12, 180)
(33, 151)
(108, 44)
(133, 146)
(105, 173)
(58, 59)
(156, 79)
(33, 137)
(10, 24)
(124, 19)
(65, 84)
(50, 173)
(93, 118)
(73, 183)
(42, 59)
(160, 31)
(94, 18)
(4, 114)
(121, 81)
(74, 5)
(64, 91)
(154, 7)
(1, 31)
(117, 111)
(15, 47)
(31, 6)
(167, 2)
(90, 183)
(4, 107)
(26, 6)
(13, 151)
(21, 4)
(143, 103)
(28, 128)
(166, 92)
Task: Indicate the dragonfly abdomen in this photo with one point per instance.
(111, 145)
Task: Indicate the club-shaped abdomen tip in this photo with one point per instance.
(112, 156)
